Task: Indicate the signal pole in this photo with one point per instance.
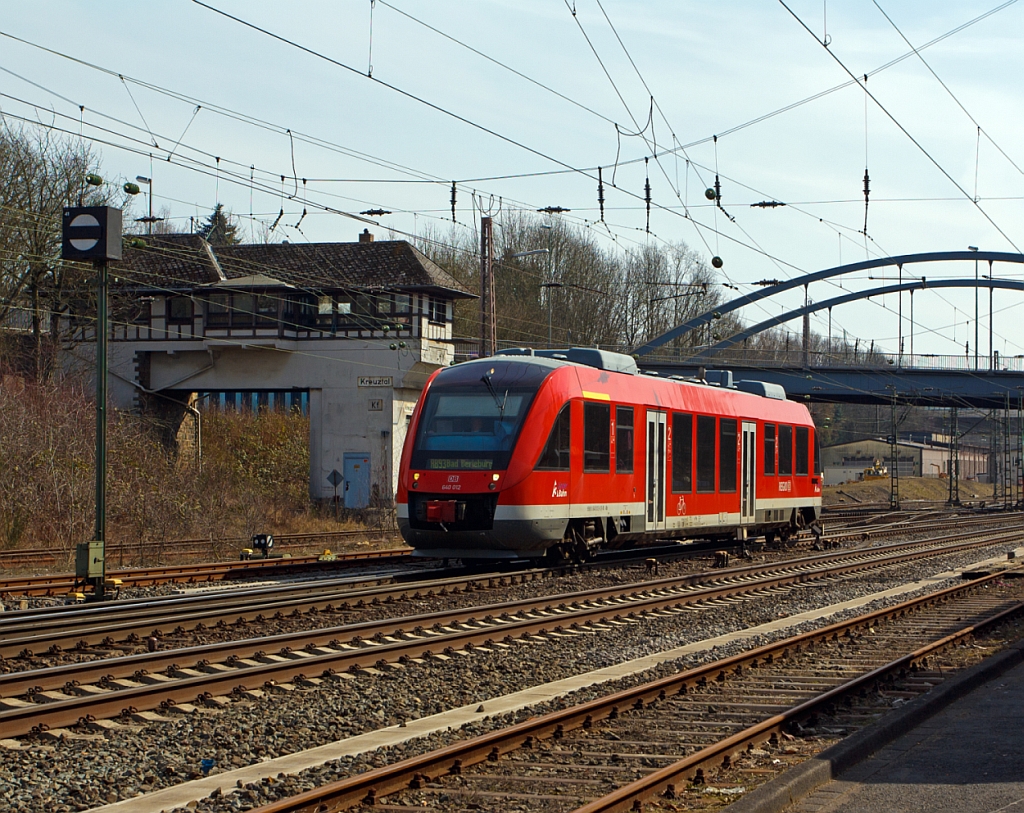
(93, 233)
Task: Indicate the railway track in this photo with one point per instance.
(63, 583)
(716, 727)
(35, 700)
(875, 526)
(138, 552)
(125, 625)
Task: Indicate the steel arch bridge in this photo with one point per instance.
(989, 388)
(990, 257)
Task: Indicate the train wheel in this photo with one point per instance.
(580, 553)
(556, 555)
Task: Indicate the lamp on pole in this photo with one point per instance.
(975, 248)
(149, 220)
(549, 285)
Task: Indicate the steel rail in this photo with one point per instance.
(315, 661)
(179, 547)
(59, 584)
(96, 626)
(372, 786)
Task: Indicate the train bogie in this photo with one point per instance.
(554, 454)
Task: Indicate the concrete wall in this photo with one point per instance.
(361, 392)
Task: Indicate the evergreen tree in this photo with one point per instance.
(220, 228)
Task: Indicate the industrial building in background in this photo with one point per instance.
(865, 460)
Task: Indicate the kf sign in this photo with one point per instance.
(91, 233)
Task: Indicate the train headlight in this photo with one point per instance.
(495, 477)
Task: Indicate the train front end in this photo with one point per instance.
(465, 450)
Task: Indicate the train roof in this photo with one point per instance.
(621, 363)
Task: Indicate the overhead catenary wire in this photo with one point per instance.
(294, 173)
(906, 132)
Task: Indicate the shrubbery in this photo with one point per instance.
(253, 477)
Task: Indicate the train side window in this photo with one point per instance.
(624, 440)
(802, 452)
(682, 453)
(555, 456)
(785, 449)
(817, 454)
(596, 436)
(728, 454)
(705, 453)
(769, 449)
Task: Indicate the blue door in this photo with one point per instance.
(357, 480)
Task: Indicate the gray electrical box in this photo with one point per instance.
(89, 560)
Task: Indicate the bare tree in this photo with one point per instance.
(41, 172)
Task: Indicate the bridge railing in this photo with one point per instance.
(795, 357)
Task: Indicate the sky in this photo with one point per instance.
(366, 105)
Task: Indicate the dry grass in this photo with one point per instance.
(911, 488)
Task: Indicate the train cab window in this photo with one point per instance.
(471, 415)
(769, 449)
(624, 440)
(555, 456)
(785, 450)
(597, 419)
(728, 454)
(682, 453)
(705, 453)
(802, 451)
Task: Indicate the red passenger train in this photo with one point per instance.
(529, 454)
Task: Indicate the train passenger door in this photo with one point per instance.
(748, 474)
(655, 471)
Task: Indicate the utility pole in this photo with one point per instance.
(894, 474)
(954, 456)
(807, 329)
(488, 329)
(975, 248)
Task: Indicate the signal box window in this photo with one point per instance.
(769, 449)
(785, 450)
(802, 452)
(705, 453)
(624, 440)
(555, 456)
(728, 454)
(179, 309)
(217, 310)
(682, 453)
(596, 436)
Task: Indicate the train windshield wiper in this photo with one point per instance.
(500, 404)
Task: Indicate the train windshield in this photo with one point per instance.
(473, 413)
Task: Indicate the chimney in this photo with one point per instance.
(366, 237)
